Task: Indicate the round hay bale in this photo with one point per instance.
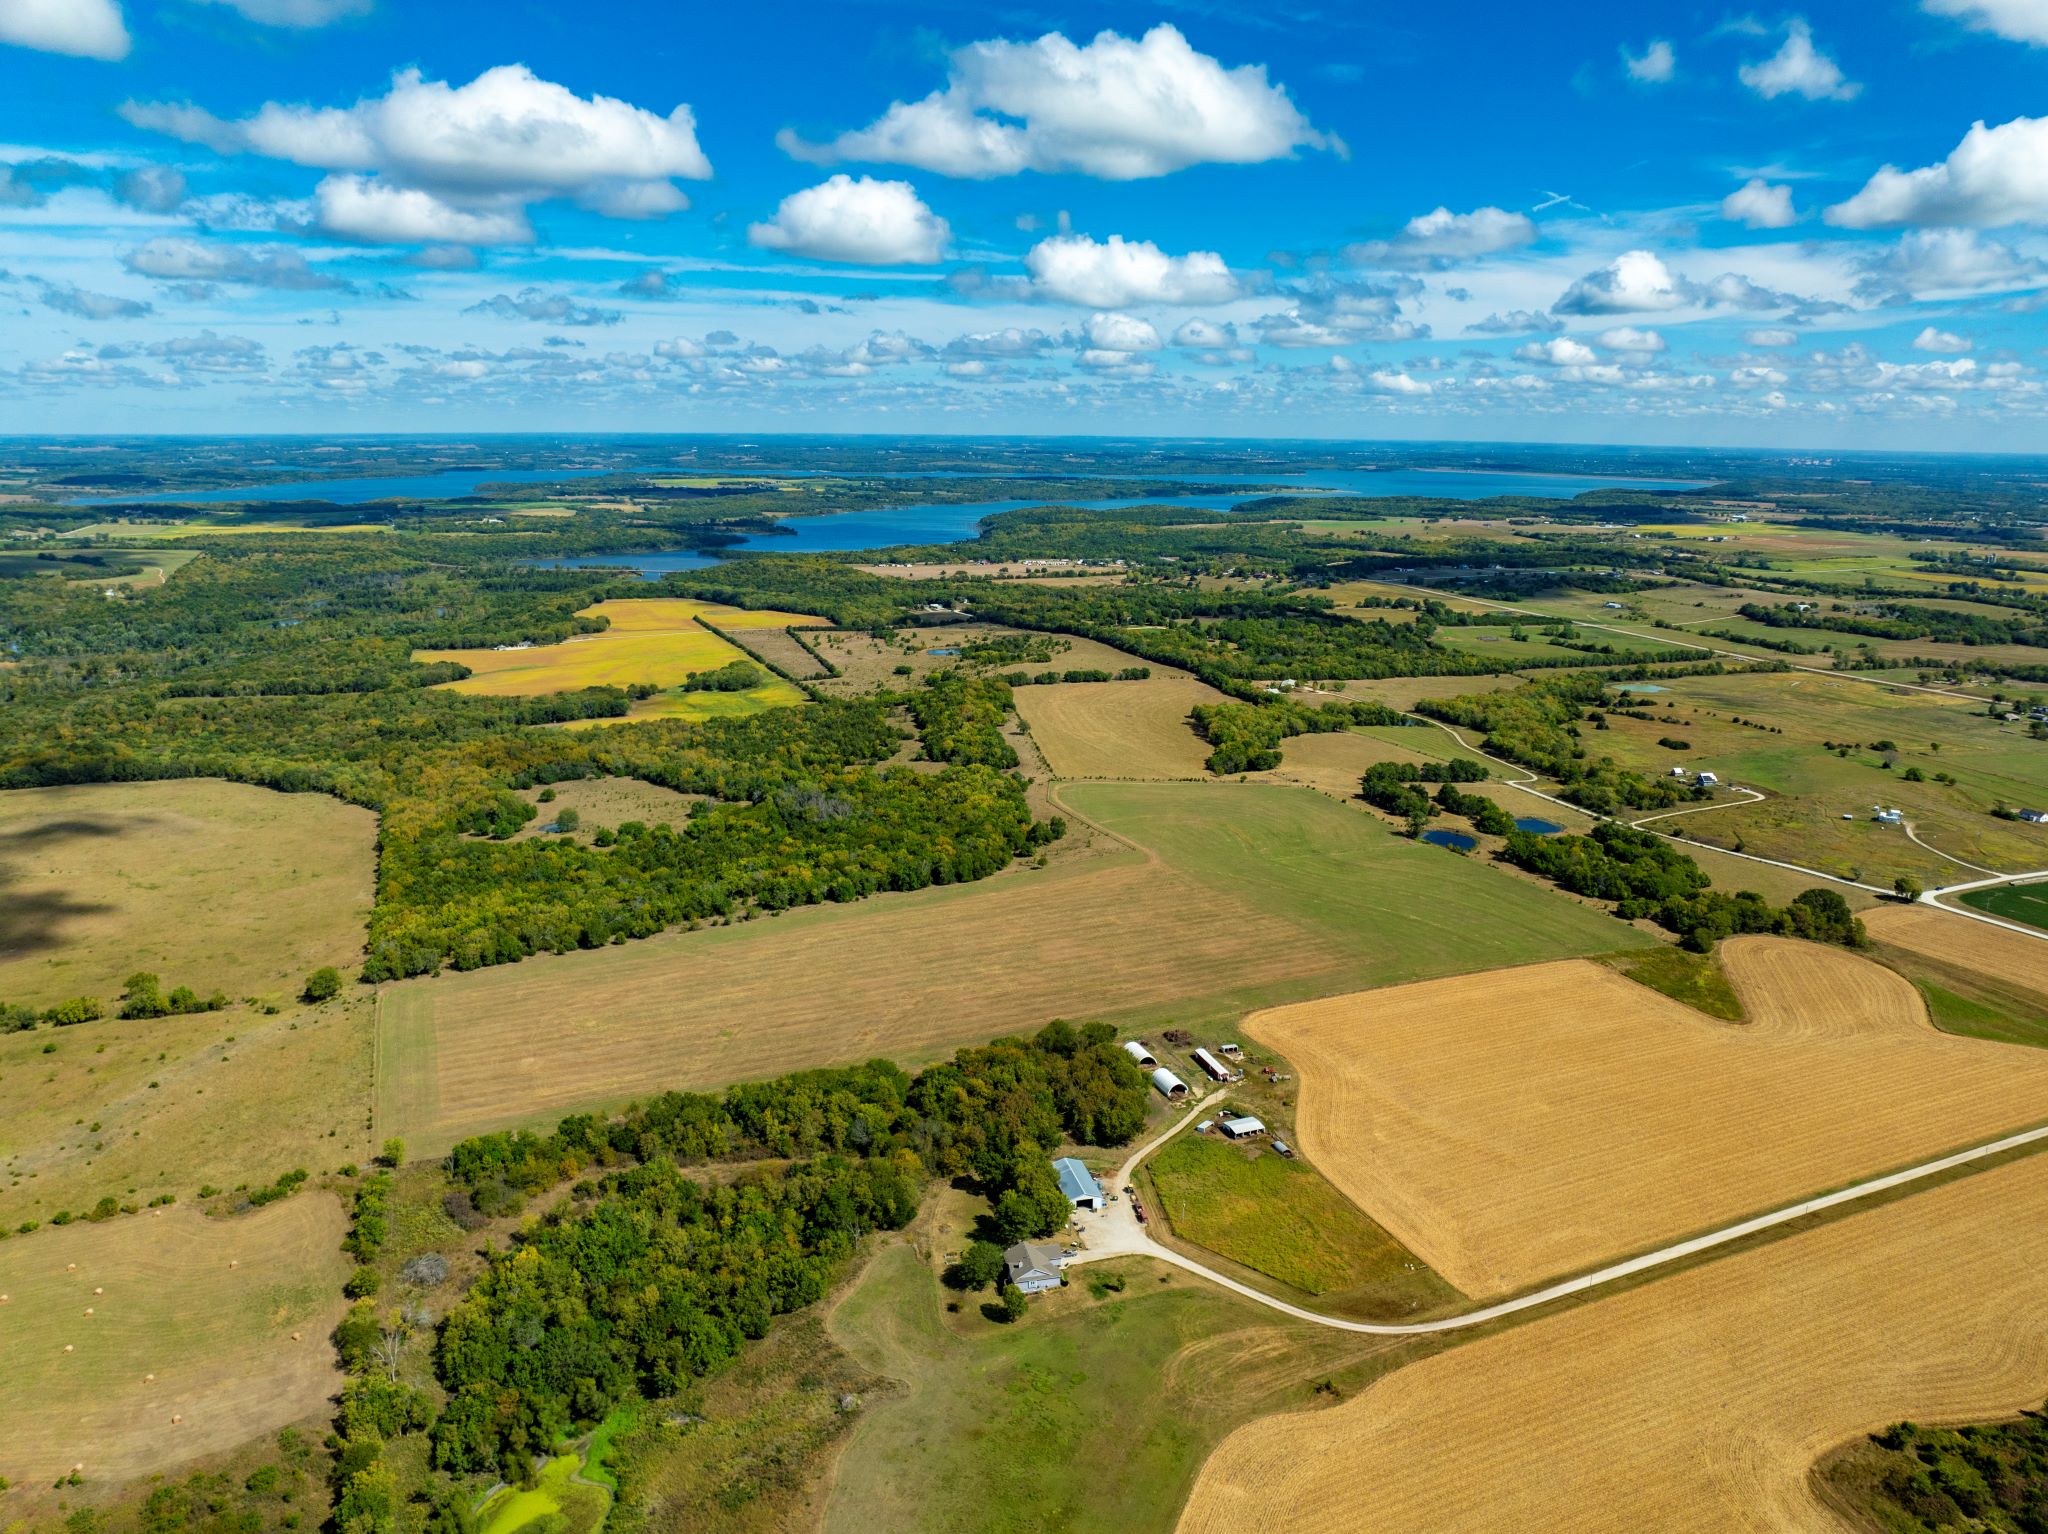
(175, 1420)
(149, 1379)
(295, 1336)
(234, 1264)
(70, 1267)
(67, 1347)
(88, 1310)
(99, 1291)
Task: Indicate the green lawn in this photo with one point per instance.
(2026, 903)
(1089, 1416)
(1282, 1219)
(1400, 910)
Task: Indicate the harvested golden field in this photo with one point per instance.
(1118, 729)
(656, 640)
(1694, 1405)
(188, 1349)
(1514, 1126)
(1963, 940)
(210, 884)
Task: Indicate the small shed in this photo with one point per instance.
(1216, 1069)
(1033, 1266)
(1138, 1052)
(1242, 1128)
(1230, 1051)
(2034, 816)
(1078, 1183)
(1706, 779)
(1170, 1086)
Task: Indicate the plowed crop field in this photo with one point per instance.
(164, 1302)
(1517, 1125)
(1694, 1405)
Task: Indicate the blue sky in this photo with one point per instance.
(1596, 222)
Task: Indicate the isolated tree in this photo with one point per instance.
(980, 1265)
(1014, 1303)
(324, 984)
(393, 1154)
(1906, 887)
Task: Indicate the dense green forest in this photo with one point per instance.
(647, 1272)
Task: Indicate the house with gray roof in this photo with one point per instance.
(1034, 1266)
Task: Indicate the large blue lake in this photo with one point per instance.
(912, 523)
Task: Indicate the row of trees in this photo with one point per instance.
(1647, 877)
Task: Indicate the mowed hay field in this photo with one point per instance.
(210, 884)
(1118, 729)
(1512, 1127)
(218, 1339)
(1694, 1405)
(1225, 897)
(656, 640)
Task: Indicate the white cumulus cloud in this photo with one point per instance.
(1558, 352)
(874, 223)
(90, 29)
(1119, 108)
(1994, 176)
(1799, 69)
(1760, 205)
(1442, 238)
(1116, 273)
(365, 208)
(1932, 340)
(1655, 65)
(1112, 332)
(2023, 21)
(507, 135)
(1635, 282)
(1628, 338)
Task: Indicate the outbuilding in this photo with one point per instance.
(1215, 1068)
(1706, 779)
(1170, 1086)
(1033, 1266)
(1242, 1128)
(1138, 1052)
(1078, 1183)
(2034, 816)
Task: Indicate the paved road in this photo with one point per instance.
(1115, 1232)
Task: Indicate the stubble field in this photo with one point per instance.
(1695, 1405)
(166, 1303)
(1512, 1127)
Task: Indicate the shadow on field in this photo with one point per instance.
(31, 920)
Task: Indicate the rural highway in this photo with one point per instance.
(1115, 1232)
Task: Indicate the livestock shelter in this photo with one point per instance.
(1170, 1086)
(1242, 1128)
(1138, 1052)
